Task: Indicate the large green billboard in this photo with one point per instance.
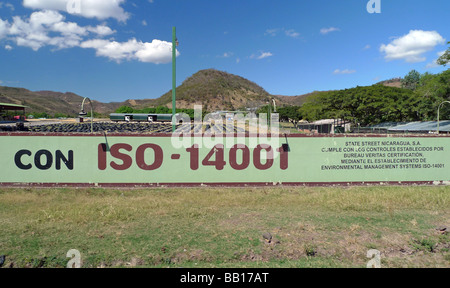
(228, 160)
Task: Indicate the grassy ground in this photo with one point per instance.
(310, 227)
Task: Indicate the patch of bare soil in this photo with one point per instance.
(350, 246)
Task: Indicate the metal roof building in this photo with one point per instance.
(422, 127)
(410, 127)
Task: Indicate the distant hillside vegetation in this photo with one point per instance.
(295, 100)
(51, 103)
(48, 102)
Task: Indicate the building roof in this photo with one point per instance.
(7, 106)
(330, 121)
(427, 126)
(423, 126)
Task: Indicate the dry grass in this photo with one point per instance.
(311, 227)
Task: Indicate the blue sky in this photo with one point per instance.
(114, 50)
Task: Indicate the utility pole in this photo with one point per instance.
(174, 76)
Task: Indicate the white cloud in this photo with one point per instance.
(292, 33)
(4, 28)
(68, 28)
(112, 49)
(412, 46)
(226, 55)
(157, 52)
(272, 32)
(325, 31)
(261, 56)
(35, 32)
(265, 55)
(101, 30)
(345, 71)
(100, 9)
(49, 27)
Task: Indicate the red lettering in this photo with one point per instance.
(126, 159)
(245, 157)
(102, 156)
(284, 157)
(219, 161)
(257, 157)
(193, 151)
(140, 157)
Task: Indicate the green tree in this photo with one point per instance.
(290, 114)
(411, 81)
(445, 58)
(378, 103)
(125, 109)
(163, 110)
(365, 105)
(434, 91)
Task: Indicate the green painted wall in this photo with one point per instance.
(35, 159)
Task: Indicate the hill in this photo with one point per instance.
(51, 102)
(215, 90)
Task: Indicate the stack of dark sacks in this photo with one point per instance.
(102, 127)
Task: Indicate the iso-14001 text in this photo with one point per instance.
(239, 157)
